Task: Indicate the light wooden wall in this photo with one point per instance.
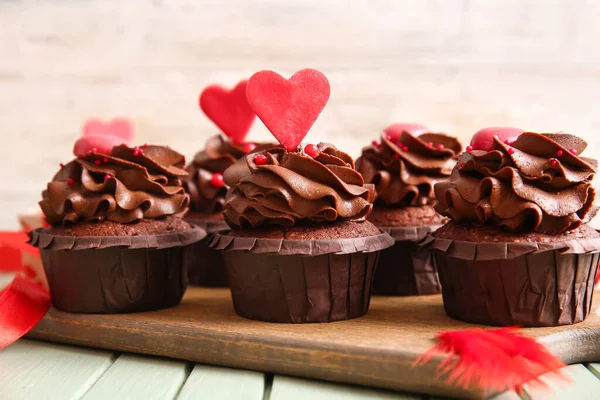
(454, 65)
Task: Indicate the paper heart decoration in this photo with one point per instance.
(395, 130)
(288, 107)
(96, 144)
(228, 109)
(101, 137)
(117, 127)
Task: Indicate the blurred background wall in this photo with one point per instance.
(455, 65)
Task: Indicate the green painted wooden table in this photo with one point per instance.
(32, 369)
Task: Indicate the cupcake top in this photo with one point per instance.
(124, 185)
(273, 186)
(405, 167)
(205, 181)
(538, 183)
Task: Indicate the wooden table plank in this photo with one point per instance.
(584, 386)
(140, 377)
(35, 370)
(287, 388)
(216, 383)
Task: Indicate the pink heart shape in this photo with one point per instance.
(117, 127)
(228, 109)
(102, 144)
(288, 108)
(395, 130)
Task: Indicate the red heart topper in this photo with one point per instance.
(228, 109)
(288, 107)
(101, 136)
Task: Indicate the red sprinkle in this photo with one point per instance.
(93, 150)
(440, 147)
(559, 153)
(462, 164)
(137, 151)
(511, 150)
(469, 149)
(554, 162)
(105, 160)
(405, 148)
(260, 159)
(429, 144)
(61, 165)
(376, 143)
(248, 147)
(98, 162)
(70, 181)
(217, 180)
(107, 177)
(145, 145)
(573, 151)
(396, 155)
(311, 150)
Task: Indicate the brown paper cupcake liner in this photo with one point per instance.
(207, 267)
(527, 284)
(299, 281)
(406, 269)
(116, 274)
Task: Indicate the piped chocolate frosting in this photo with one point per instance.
(293, 187)
(539, 183)
(218, 155)
(125, 186)
(405, 169)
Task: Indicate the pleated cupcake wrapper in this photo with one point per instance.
(297, 281)
(406, 269)
(43, 239)
(87, 275)
(526, 284)
(367, 244)
(207, 267)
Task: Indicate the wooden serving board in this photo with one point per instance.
(376, 350)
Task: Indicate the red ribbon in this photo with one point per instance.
(23, 303)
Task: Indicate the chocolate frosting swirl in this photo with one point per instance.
(124, 186)
(293, 188)
(534, 185)
(405, 170)
(218, 155)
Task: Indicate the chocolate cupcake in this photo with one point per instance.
(404, 168)
(518, 250)
(117, 242)
(300, 249)
(232, 114)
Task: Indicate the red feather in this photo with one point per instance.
(496, 359)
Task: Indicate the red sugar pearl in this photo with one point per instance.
(396, 156)
(462, 164)
(511, 151)
(105, 160)
(217, 180)
(70, 181)
(554, 163)
(260, 159)
(405, 148)
(61, 165)
(469, 149)
(98, 162)
(311, 150)
(573, 151)
(107, 177)
(440, 147)
(137, 151)
(248, 147)
(559, 153)
(375, 143)
(145, 145)
(429, 144)
(94, 150)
